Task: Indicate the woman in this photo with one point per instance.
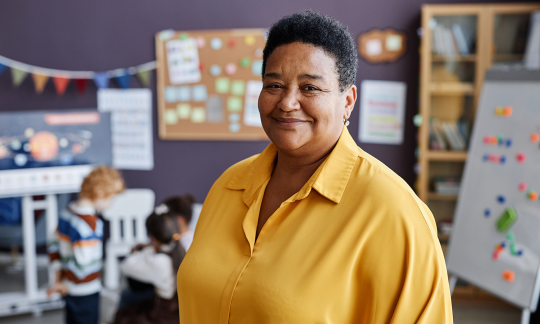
(155, 264)
(312, 230)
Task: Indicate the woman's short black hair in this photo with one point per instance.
(309, 27)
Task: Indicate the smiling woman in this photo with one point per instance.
(312, 230)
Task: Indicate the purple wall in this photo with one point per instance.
(103, 34)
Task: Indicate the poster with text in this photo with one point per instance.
(382, 112)
(131, 125)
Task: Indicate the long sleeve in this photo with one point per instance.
(53, 249)
(153, 268)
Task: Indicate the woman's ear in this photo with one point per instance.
(350, 99)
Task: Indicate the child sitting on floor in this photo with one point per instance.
(155, 264)
(76, 250)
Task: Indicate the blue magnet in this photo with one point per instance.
(501, 199)
(487, 212)
(503, 245)
(486, 157)
(520, 252)
(508, 142)
(503, 159)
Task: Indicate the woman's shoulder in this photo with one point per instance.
(236, 169)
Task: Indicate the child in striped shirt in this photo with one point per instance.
(76, 251)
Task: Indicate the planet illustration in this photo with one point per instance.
(43, 146)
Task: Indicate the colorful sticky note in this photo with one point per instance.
(183, 93)
(245, 62)
(183, 36)
(200, 42)
(170, 94)
(199, 92)
(183, 110)
(249, 40)
(216, 43)
(230, 68)
(170, 117)
(222, 85)
(256, 67)
(215, 70)
(506, 220)
(234, 104)
(238, 88)
(234, 128)
(198, 115)
(234, 118)
(215, 110)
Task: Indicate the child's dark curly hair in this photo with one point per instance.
(309, 27)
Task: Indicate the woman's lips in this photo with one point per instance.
(289, 122)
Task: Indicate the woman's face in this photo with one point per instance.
(301, 106)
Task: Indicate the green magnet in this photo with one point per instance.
(506, 220)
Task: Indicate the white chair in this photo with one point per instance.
(127, 216)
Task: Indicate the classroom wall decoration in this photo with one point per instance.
(494, 242)
(61, 78)
(208, 84)
(381, 46)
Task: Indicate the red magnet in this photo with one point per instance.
(521, 157)
(487, 139)
(523, 186)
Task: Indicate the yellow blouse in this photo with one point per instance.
(354, 245)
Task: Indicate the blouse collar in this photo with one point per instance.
(330, 179)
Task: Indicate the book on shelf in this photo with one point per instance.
(448, 135)
(452, 41)
(446, 185)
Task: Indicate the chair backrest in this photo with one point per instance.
(127, 216)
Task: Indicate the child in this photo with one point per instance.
(182, 209)
(155, 264)
(76, 249)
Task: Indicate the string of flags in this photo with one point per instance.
(61, 78)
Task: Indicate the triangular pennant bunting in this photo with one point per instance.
(144, 77)
(40, 81)
(18, 76)
(81, 85)
(123, 80)
(2, 68)
(60, 83)
(101, 79)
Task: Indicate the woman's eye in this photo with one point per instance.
(310, 88)
(275, 86)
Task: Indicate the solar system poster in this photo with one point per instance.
(53, 139)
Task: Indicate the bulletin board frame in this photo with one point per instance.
(236, 45)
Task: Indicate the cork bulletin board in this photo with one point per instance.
(208, 84)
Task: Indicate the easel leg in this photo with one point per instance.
(452, 283)
(29, 243)
(525, 316)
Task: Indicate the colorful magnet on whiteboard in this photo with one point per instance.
(523, 186)
(533, 195)
(486, 157)
(244, 62)
(495, 255)
(487, 139)
(503, 245)
(503, 159)
(499, 111)
(508, 275)
(508, 142)
(510, 236)
(216, 43)
(520, 252)
(506, 220)
(201, 42)
(494, 140)
(230, 68)
(487, 212)
(499, 248)
(249, 40)
(500, 140)
(521, 157)
(535, 137)
(501, 199)
(507, 111)
(215, 70)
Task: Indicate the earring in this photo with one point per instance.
(346, 121)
